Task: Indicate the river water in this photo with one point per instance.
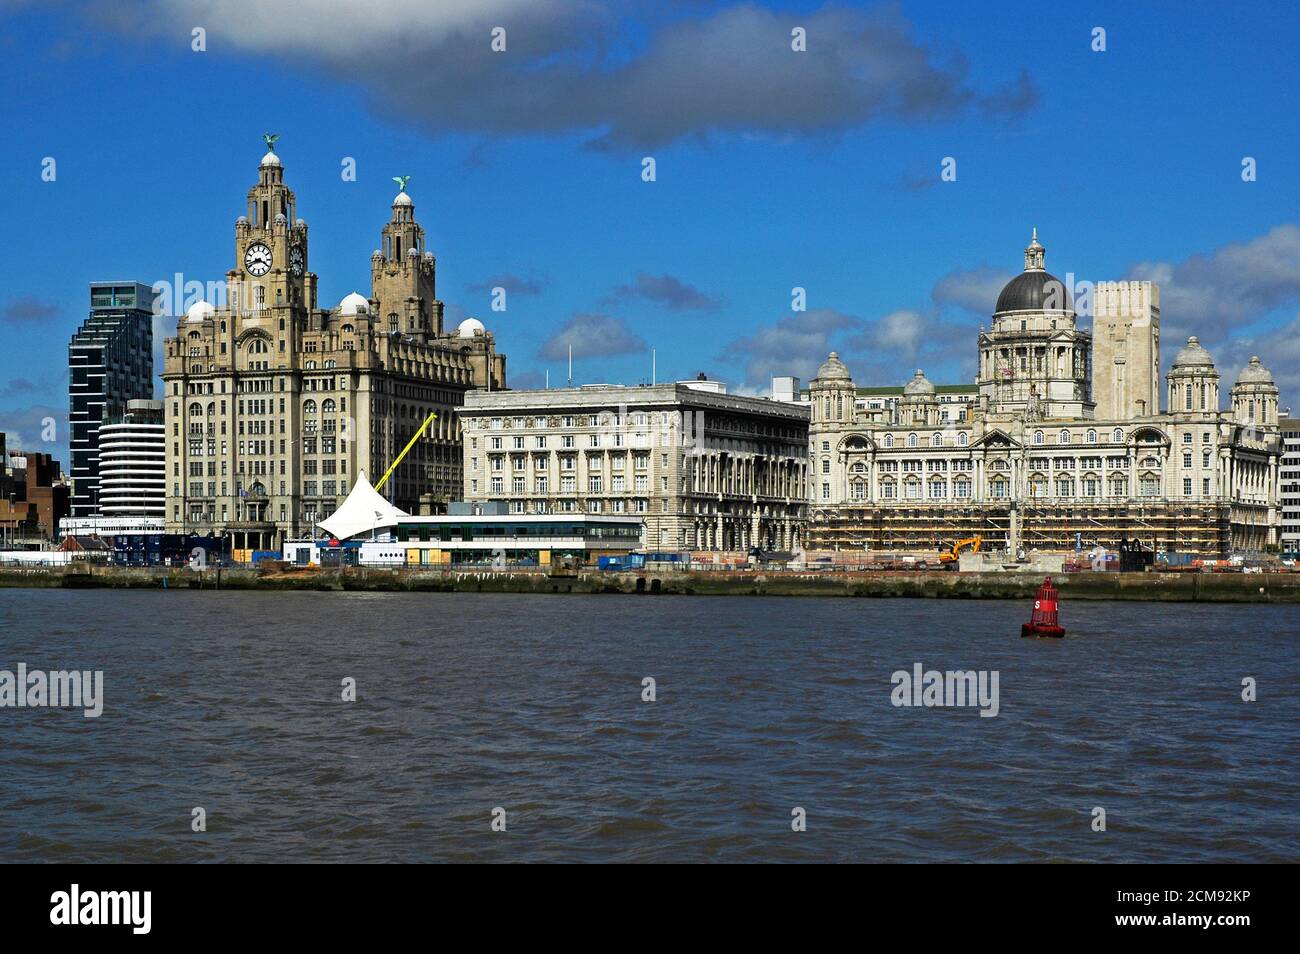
(231, 702)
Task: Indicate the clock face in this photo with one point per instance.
(296, 260)
(257, 259)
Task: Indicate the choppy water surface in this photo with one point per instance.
(231, 701)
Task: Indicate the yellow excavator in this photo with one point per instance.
(949, 557)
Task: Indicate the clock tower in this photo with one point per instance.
(270, 279)
(402, 275)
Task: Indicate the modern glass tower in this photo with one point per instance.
(110, 362)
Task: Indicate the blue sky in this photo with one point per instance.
(775, 169)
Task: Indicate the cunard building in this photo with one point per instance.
(1064, 444)
(274, 404)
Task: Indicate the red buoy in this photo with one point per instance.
(1043, 620)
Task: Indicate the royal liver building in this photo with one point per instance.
(1063, 442)
(274, 405)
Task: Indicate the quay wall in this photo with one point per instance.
(1173, 587)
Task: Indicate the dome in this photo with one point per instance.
(354, 304)
(412, 253)
(1192, 355)
(199, 310)
(1255, 373)
(402, 199)
(299, 223)
(833, 369)
(376, 254)
(919, 386)
(270, 159)
(1034, 289)
(242, 220)
(469, 328)
(280, 218)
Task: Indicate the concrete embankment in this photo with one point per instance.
(1174, 587)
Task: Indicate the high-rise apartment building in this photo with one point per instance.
(1289, 475)
(132, 463)
(110, 362)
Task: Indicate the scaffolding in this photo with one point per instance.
(1203, 529)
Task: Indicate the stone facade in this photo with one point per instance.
(274, 404)
(1033, 464)
(1125, 349)
(707, 470)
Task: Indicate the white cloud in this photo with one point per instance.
(1230, 287)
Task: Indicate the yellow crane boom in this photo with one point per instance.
(409, 444)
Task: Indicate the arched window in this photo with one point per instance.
(936, 440)
(328, 406)
(1092, 436)
(889, 440)
(1063, 437)
(911, 440)
(196, 409)
(309, 406)
(961, 439)
(1038, 437)
(1117, 436)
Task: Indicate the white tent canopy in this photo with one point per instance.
(364, 510)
